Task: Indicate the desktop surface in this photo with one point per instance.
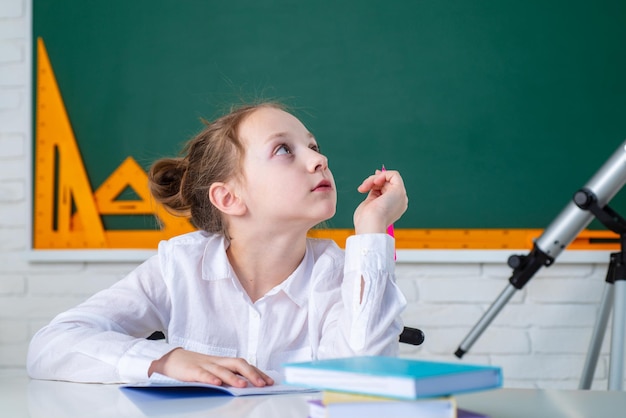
(23, 397)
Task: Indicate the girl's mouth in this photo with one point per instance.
(323, 185)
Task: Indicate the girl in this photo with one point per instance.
(248, 291)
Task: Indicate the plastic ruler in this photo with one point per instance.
(67, 213)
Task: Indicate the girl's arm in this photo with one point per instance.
(363, 316)
(104, 339)
(356, 310)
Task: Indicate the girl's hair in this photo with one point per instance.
(182, 184)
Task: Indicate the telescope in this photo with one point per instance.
(588, 202)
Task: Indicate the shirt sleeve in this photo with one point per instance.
(366, 322)
(104, 339)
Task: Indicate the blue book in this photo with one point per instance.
(393, 377)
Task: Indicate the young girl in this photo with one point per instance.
(248, 291)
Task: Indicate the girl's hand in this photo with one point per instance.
(189, 366)
(386, 201)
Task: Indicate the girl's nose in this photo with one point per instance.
(318, 161)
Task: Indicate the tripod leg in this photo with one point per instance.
(598, 336)
(616, 367)
(486, 319)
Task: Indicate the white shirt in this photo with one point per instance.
(189, 291)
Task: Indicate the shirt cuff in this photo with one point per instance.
(370, 252)
(134, 365)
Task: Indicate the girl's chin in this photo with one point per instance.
(321, 223)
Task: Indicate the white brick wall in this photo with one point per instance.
(540, 337)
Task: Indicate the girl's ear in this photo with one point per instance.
(223, 197)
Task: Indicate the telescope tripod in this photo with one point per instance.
(614, 296)
(591, 200)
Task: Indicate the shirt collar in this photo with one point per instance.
(297, 284)
(215, 266)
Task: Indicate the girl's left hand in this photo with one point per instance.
(385, 203)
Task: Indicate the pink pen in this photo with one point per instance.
(390, 227)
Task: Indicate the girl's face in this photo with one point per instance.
(287, 180)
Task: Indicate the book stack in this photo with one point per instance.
(376, 386)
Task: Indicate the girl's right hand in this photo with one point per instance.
(386, 201)
(189, 366)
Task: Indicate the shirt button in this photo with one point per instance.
(364, 251)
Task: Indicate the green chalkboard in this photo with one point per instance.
(495, 111)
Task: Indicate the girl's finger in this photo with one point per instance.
(227, 376)
(375, 180)
(248, 371)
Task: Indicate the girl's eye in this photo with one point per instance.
(315, 148)
(282, 149)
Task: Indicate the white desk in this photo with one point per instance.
(22, 397)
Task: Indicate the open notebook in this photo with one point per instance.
(159, 381)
